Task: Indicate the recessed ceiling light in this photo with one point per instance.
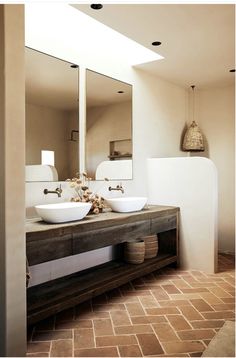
(96, 6)
(74, 66)
(233, 70)
(156, 43)
(120, 91)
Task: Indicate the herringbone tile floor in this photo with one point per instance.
(169, 313)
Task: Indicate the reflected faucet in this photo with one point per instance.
(118, 187)
(57, 191)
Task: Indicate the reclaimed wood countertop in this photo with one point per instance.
(102, 220)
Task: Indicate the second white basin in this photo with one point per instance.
(127, 204)
(63, 212)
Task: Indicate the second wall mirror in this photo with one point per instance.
(108, 127)
(52, 117)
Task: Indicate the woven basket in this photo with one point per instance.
(193, 139)
(134, 251)
(151, 246)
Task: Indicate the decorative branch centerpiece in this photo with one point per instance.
(80, 183)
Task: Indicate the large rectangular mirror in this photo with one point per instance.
(108, 127)
(52, 117)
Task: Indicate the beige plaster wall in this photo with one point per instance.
(12, 183)
(49, 129)
(215, 113)
(105, 124)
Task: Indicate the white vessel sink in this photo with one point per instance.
(63, 212)
(127, 204)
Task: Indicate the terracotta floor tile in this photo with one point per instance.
(120, 318)
(194, 290)
(160, 294)
(219, 315)
(148, 319)
(162, 311)
(224, 307)
(130, 351)
(135, 309)
(183, 347)
(83, 338)
(97, 352)
(196, 334)
(186, 296)
(228, 300)
(108, 307)
(190, 313)
(226, 286)
(61, 348)
(201, 305)
(210, 298)
(40, 354)
(149, 344)
(180, 283)
(103, 327)
(208, 324)
(115, 340)
(181, 320)
(133, 329)
(148, 301)
(174, 303)
(38, 347)
(165, 332)
(171, 289)
(44, 336)
(195, 354)
(219, 292)
(78, 323)
(178, 322)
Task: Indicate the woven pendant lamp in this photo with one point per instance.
(193, 138)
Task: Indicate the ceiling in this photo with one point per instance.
(198, 41)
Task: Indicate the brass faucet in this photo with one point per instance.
(118, 187)
(57, 191)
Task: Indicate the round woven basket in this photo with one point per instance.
(134, 251)
(151, 246)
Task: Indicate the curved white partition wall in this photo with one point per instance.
(191, 184)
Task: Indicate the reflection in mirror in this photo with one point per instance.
(108, 127)
(52, 118)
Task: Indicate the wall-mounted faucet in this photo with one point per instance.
(57, 191)
(118, 187)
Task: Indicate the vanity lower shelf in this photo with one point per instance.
(54, 296)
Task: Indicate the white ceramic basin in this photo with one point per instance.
(63, 212)
(127, 204)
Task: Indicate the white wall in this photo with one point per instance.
(215, 115)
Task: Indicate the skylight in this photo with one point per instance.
(64, 26)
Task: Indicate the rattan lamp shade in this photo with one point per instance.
(193, 139)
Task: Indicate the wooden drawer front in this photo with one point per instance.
(163, 223)
(40, 251)
(114, 235)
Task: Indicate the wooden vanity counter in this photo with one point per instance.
(47, 242)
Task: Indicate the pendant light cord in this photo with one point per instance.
(193, 105)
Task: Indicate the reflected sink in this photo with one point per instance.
(63, 212)
(127, 204)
